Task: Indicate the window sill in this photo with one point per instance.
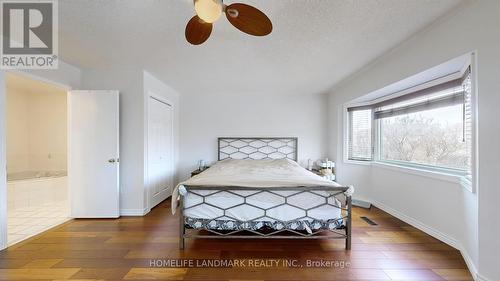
(438, 175)
(358, 162)
(449, 177)
(466, 184)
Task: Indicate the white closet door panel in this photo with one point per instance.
(160, 152)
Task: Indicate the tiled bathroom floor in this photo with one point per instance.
(23, 223)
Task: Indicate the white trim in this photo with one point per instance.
(470, 264)
(345, 141)
(418, 224)
(361, 203)
(467, 184)
(475, 124)
(151, 95)
(134, 212)
(345, 134)
(358, 162)
(480, 277)
(68, 152)
(3, 164)
(3, 138)
(434, 233)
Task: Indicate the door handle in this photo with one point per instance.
(112, 161)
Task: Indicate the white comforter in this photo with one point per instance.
(249, 173)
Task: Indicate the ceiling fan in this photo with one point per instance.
(242, 16)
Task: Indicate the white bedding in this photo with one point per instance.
(254, 174)
(263, 200)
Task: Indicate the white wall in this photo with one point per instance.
(17, 131)
(128, 81)
(441, 206)
(206, 117)
(48, 131)
(133, 84)
(156, 88)
(447, 208)
(36, 126)
(199, 120)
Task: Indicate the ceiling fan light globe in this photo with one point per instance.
(208, 10)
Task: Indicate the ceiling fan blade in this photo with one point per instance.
(197, 31)
(249, 19)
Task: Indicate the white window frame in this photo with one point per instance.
(346, 133)
(449, 174)
(377, 157)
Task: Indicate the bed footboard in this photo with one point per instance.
(276, 213)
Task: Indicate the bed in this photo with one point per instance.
(258, 190)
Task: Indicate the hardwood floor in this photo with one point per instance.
(123, 249)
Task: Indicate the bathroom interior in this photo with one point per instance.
(37, 190)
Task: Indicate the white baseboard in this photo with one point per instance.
(361, 203)
(3, 234)
(134, 212)
(481, 278)
(434, 233)
(470, 265)
(139, 212)
(418, 224)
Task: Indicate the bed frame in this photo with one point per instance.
(267, 148)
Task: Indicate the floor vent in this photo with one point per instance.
(369, 221)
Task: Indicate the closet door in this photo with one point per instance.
(160, 151)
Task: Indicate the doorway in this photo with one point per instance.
(98, 104)
(36, 151)
(160, 151)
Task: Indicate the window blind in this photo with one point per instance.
(429, 103)
(441, 95)
(360, 135)
(445, 94)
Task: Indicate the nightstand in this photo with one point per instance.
(198, 171)
(317, 172)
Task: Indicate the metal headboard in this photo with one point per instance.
(258, 148)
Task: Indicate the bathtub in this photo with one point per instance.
(28, 175)
(36, 188)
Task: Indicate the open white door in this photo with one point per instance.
(160, 151)
(93, 120)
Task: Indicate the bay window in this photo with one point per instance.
(428, 129)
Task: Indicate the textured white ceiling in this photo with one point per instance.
(314, 44)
